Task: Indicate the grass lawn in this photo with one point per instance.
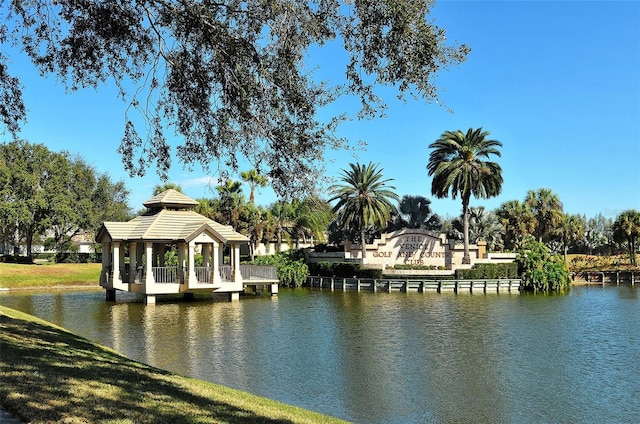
(48, 275)
(50, 375)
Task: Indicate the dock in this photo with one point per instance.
(414, 285)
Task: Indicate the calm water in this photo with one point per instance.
(388, 357)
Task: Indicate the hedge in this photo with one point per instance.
(343, 270)
(488, 271)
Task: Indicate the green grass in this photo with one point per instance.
(50, 375)
(48, 275)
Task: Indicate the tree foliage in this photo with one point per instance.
(459, 164)
(518, 221)
(626, 229)
(570, 231)
(290, 265)
(484, 225)
(363, 200)
(54, 194)
(547, 209)
(255, 180)
(230, 78)
(539, 269)
(415, 212)
(161, 188)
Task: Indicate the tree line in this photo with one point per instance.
(50, 197)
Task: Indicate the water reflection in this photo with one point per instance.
(387, 357)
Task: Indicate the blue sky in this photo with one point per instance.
(557, 82)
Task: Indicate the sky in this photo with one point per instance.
(557, 82)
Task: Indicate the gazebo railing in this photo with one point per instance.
(173, 274)
(167, 274)
(225, 272)
(262, 272)
(203, 274)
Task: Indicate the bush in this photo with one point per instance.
(327, 248)
(78, 258)
(343, 270)
(292, 271)
(540, 270)
(11, 259)
(490, 271)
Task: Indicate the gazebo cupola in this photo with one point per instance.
(133, 257)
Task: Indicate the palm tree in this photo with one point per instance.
(280, 217)
(456, 164)
(626, 228)
(310, 218)
(255, 180)
(364, 200)
(547, 209)
(230, 203)
(254, 219)
(483, 225)
(415, 210)
(518, 221)
(570, 230)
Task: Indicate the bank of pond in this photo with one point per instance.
(51, 375)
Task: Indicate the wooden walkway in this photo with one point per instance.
(606, 277)
(417, 285)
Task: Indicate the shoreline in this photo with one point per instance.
(105, 386)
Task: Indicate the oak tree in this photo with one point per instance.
(231, 79)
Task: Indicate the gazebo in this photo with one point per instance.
(133, 253)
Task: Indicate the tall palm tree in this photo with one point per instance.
(456, 164)
(364, 200)
(626, 228)
(255, 180)
(547, 208)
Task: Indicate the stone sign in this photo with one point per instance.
(408, 246)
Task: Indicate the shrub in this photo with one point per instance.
(292, 271)
(11, 259)
(77, 258)
(343, 270)
(491, 271)
(540, 270)
(327, 248)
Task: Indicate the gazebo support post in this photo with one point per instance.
(106, 263)
(133, 256)
(111, 295)
(149, 280)
(116, 262)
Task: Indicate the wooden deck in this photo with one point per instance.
(416, 285)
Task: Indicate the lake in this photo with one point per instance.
(387, 357)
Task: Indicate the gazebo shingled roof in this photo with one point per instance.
(170, 199)
(170, 217)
